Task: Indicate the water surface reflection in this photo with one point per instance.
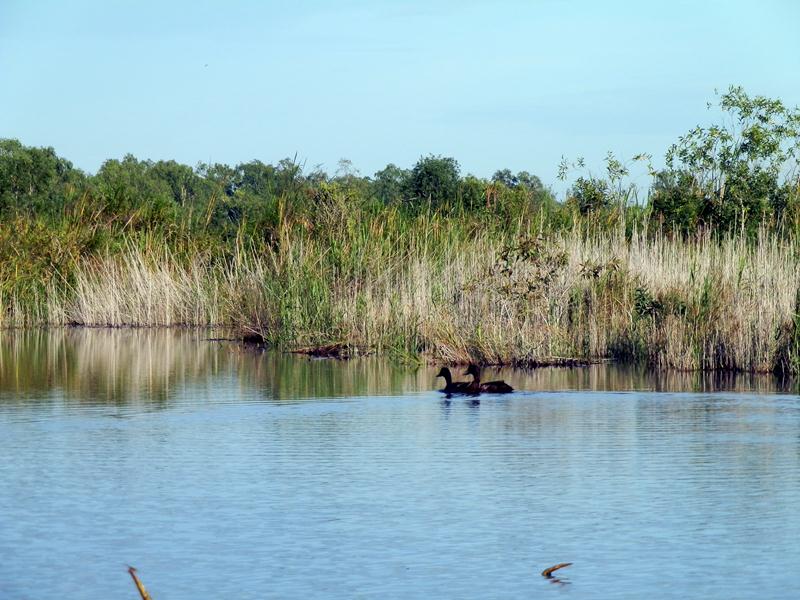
(147, 365)
(262, 475)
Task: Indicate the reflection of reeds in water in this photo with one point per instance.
(156, 365)
(622, 378)
(287, 377)
(107, 365)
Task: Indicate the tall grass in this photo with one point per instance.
(137, 288)
(456, 290)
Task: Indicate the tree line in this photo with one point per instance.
(737, 175)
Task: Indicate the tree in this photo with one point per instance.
(35, 179)
(390, 183)
(532, 182)
(676, 200)
(132, 193)
(472, 193)
(590, 195)
(350, 179)
(256, 178)
(186, 185)
(434, 179)
(521, 179)
(224, 176)
(290, 174)
(737, 167)
(506, 177)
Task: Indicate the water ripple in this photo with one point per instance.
(220, 486)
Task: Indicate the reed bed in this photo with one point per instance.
(442, 289)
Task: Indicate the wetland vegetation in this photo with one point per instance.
(699, 270)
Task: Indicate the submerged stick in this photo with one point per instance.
(139, 585)
(549, 572)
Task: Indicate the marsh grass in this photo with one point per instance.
(456, 290)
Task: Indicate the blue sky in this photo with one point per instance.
(494, 84)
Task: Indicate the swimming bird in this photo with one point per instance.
(491, 387)
(452, 387)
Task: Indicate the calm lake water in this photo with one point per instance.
(225, 473)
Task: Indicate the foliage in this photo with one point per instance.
(590, 195)
(526, 268)
(676, 202)
(433, 180)
(522, 179)
(740, 172)
(391, 182)
(132, 193)
(35, 180)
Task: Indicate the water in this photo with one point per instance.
(219, 471)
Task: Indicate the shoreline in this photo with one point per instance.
(343, 352)
(431, 288)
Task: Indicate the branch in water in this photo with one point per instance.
(549, 572)
(139, 585)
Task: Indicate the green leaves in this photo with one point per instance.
(738, 168)
(434, 179)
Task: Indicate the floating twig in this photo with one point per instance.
(549, 572)
(139, 585)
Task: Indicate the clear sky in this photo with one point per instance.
(494, 84)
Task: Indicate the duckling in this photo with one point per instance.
(452, 387)
(490, 387)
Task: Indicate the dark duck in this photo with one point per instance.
(476, 386)
(452, 387)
